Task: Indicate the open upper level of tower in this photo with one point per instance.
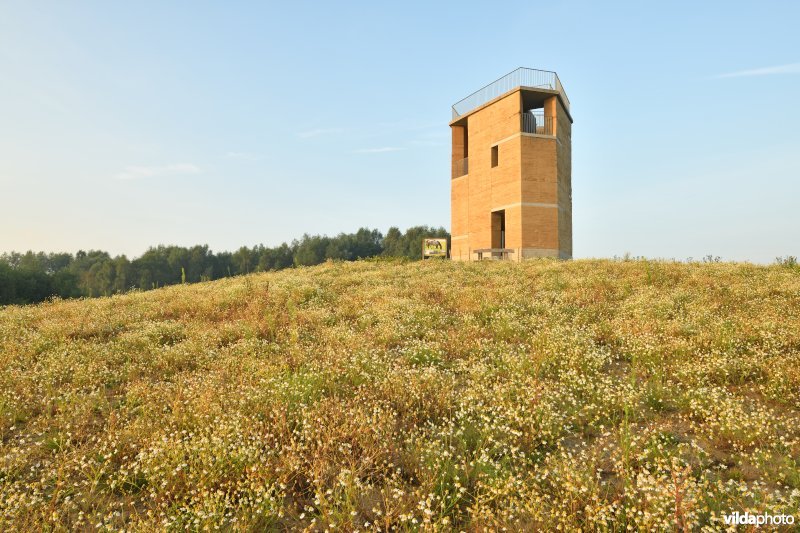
(532, 81)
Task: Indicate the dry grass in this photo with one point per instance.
(585, 394)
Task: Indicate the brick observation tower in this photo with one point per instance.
(511, 186)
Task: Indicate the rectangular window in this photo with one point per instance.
(494, 156)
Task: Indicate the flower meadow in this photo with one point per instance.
(427, 396)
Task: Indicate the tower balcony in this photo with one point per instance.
(460, 167)
(535, 121)
(543, 80)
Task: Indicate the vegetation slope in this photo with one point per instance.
(428, 395)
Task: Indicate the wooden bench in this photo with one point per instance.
(494, 253)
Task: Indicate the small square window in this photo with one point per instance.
(494, 156)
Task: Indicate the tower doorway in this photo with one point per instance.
(499, 229)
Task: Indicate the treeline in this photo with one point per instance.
(34, 277)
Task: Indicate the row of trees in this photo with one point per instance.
(34, 277)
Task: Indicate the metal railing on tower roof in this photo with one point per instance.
(522, 77)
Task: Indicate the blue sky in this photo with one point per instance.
(125, 125)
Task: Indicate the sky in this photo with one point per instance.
(125, 125)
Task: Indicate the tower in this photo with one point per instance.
(511, 183)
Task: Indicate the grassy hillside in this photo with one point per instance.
(418, 396)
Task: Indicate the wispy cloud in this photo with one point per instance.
(135, 172)
(410, 125)
(432, 137)
(245, 156)
(318, 132)
(378, 150)
(426, 142)
(791, 68)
